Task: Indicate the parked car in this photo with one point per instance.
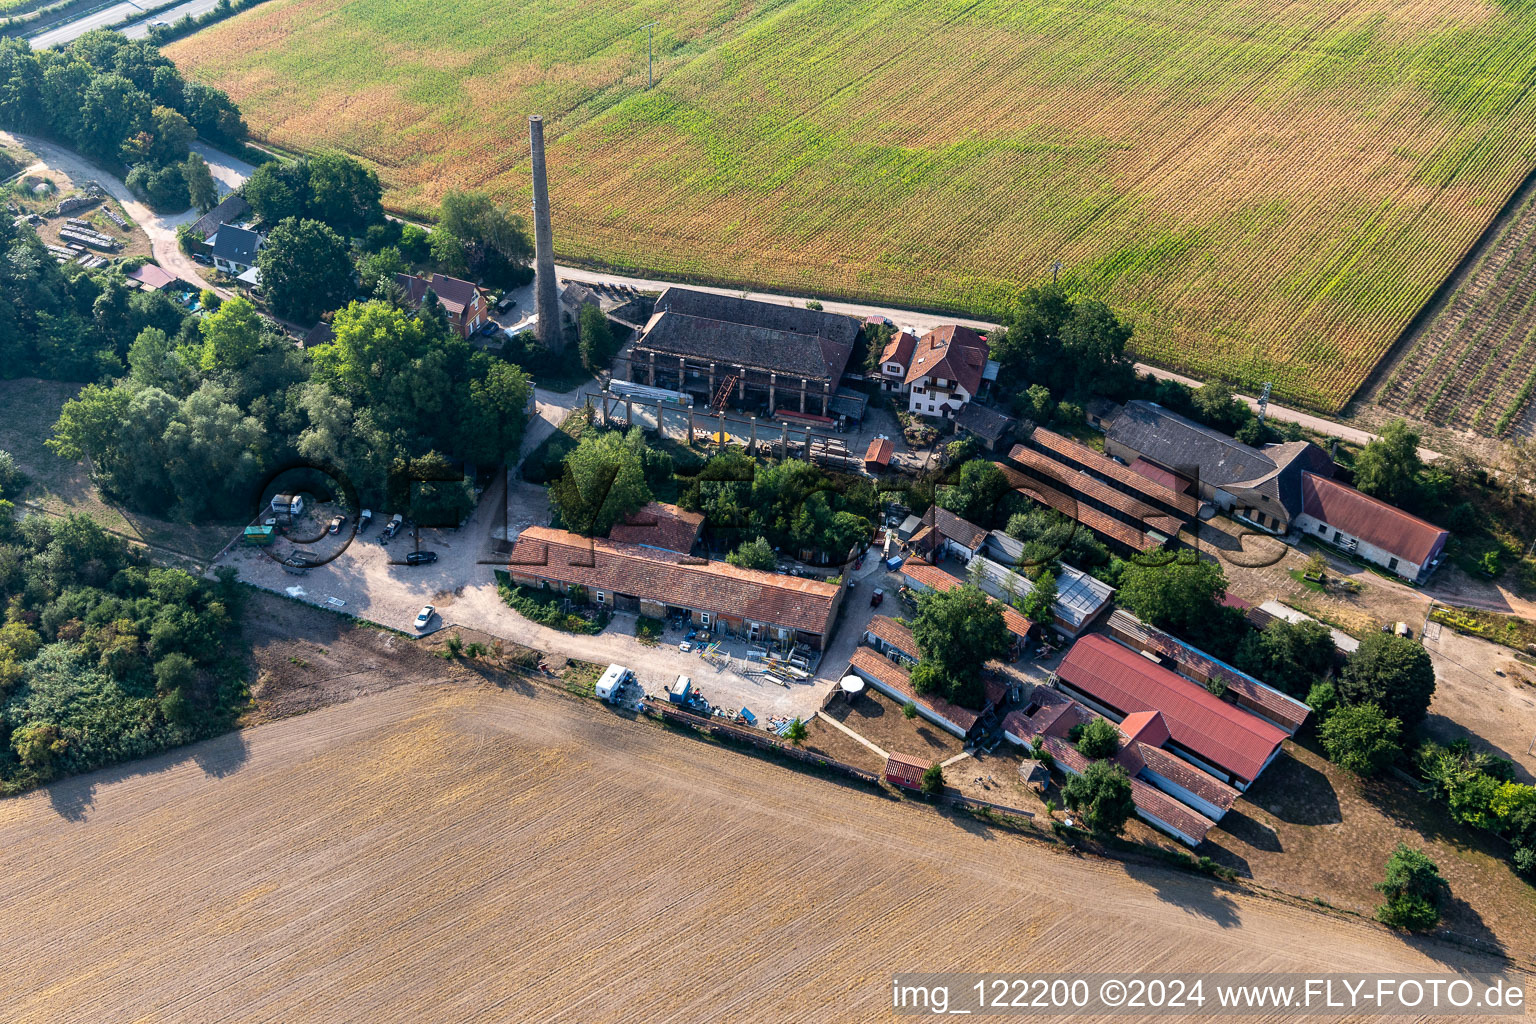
(336, 523)
(424, 616)
(205, 260)
(364, 520)
(393, 526)
(491, 327)
(301, 560)
(421, 558)
(506, 303)
(876, 597)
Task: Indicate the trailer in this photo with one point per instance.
(611, 685)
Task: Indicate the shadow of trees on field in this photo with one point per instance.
(1191, 893)
(220, 757)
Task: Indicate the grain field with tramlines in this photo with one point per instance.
(450, 853)
(1271, 189)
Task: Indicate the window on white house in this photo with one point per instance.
(1322, 527)
(601, 597)
(1392, 565)
(704, 618)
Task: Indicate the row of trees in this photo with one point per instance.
(122, 103)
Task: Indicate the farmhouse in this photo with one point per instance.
(944, 533)
(235, 248)
(949, 366)
(1370, 529)
(461, 300)
(720, 347)
(660, 583)
(895, 359)
(1218, 738)
(1259, 487)
(1192, 663)
(1280, 488)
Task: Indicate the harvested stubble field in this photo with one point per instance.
(1473, 364)
(1272, 190)
(456, 852)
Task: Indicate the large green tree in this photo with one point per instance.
(1291, 656)
(1361, 739)
(978, 489)
(1414, 891)
(1069, 344)
(1102, 795)
(957, 632)
(231, 335)
(1388, 467)
(1180, 594)
(603, 481)
(344, 194)
(306, 269)
(1392, 672)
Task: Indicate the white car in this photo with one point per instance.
(425, 616)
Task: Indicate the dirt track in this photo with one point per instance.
(453, 852)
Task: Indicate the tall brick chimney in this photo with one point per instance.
(546, 298)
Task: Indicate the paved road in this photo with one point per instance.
(161, 228)
(61, 35)
(140, 29)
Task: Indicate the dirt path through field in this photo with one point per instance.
(455, 852)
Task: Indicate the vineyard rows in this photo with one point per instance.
(1473, 366)
(1271, 190)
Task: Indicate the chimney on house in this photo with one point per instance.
(546, 298)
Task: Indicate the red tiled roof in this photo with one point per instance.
(1228, 737)
(791, 602)
(1231, 600)
(1092, 518)
(1195, 663)
(1144, 727)
(953, 352)
(1375, 522)
(894, 633)
(658, 525)
(1091, 487)
(1181, 773)
(905, 770)
(933, 578)
(1107, 467)
(880, 451)
(1149, 799)
(455, 294)
(899, 681)
(899, 349)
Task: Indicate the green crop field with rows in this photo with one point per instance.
(1271, 190)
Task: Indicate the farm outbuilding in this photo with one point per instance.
(905, 771)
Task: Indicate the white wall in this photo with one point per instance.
(1370, 552)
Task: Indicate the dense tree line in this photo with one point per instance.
(104, 657)
(122, 103)
(202, 415)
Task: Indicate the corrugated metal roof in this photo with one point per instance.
(1228, 737)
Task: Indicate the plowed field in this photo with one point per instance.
(1271, 189)
(453, 853)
